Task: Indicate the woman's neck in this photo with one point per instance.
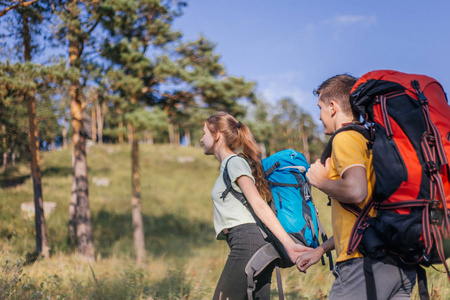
(223, 153)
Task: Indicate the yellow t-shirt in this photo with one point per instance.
(349, 150)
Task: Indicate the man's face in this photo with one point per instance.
(326, 116)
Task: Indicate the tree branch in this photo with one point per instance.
(23, 4)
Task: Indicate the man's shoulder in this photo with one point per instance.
(348, 136)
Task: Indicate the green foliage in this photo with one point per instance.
(285, 125)
(17, 81)
(199, 66)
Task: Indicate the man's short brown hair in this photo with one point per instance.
(338, 88)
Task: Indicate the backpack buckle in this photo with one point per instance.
(430, 138)
(431, 167)
(436, 216)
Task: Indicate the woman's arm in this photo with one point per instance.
(266, 215)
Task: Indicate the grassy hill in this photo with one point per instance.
(184, 259)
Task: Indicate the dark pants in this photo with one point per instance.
(243, 240)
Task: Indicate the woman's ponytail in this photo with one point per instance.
(252, 152)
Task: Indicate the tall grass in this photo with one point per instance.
(184, 260)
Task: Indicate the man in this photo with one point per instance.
(348, 177)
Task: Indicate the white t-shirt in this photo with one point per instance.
(230, 212)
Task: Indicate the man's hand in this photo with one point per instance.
(295, 251)
(308, 259)
(318, 173)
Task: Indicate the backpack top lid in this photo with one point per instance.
(381, 82)
(285, 158)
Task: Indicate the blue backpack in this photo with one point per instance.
(292, 204)
(294, 208)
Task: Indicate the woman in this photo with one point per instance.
(223, 137)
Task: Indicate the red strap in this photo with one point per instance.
(359, 227)
(385, 115)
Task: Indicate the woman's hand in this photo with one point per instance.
(307, 259)
(296, 250)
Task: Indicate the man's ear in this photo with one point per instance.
(334, 107)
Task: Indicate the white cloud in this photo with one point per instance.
(340, 23)
(352, 20)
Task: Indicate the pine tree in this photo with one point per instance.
(78, 22)
(29, 16)
(134, 29)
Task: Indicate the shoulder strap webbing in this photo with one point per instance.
(371, 290)
(351, 126)
(229, 187)
(279, 284)
(422, 283)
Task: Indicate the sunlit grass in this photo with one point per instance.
(184, 261)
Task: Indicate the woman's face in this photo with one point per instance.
(207, 141)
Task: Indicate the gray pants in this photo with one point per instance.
(391, 281)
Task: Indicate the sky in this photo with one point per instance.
(289, 47)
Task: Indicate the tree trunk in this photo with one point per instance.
(138, 225)
(176, 129)
(72, 234)
(149, 138)
(121, 132)
(99, 122)
(130, 133)
(289, 137)
(5, 155)
(39, 219)
(64, 132)
(93, 124)
(306, 148)
(171, 133)
(187, 135)
(80, 179)
(304, 140)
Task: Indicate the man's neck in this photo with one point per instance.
(343, 120)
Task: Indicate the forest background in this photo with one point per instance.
(104, 101)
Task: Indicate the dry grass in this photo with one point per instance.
(184, 260)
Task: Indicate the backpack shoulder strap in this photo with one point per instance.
(257, 263)
(229, 187)
(351, 126)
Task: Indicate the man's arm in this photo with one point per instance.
(351, 188)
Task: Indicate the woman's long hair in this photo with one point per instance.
(238, 136)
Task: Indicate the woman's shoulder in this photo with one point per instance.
(236, 160)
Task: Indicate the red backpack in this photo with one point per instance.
(408, 122)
